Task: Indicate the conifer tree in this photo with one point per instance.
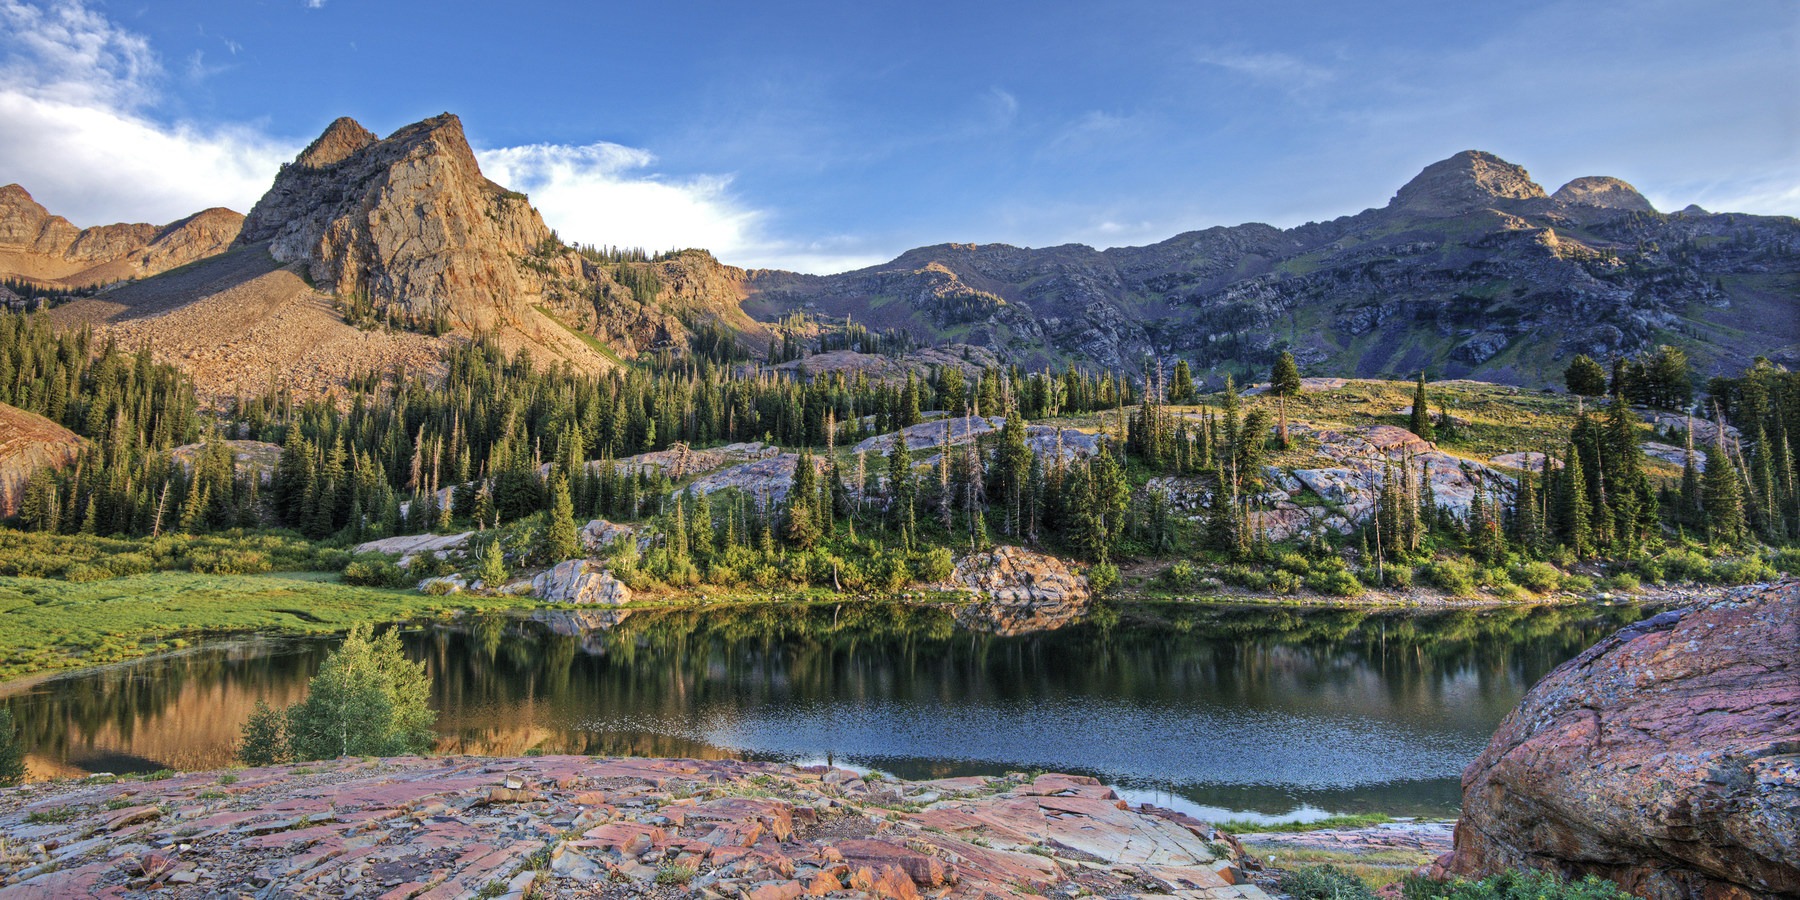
(1284, 381)
(562, 540)
(1421, 412)
(1572, 511)
(1181, 384)
(1722, 497)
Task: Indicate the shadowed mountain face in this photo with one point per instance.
(1470, 270)
(37, 246)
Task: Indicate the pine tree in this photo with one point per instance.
(1572, 511)
(802, 529)
(1421, 412)
(1284, 381)
(1722, 498)
(562, 540)
(1181, 385)
(492, 572)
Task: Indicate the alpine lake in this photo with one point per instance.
(1246, 712)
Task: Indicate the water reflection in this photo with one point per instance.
(1248, 710)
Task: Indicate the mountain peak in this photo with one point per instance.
(1603, 192)
(1468, 181)
(341, 139)
(407, 222)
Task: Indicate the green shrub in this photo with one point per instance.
(1787, 560)
(1577, 584)
(1513, 885)
(1621, 581)
(1651, 569)
(1281, 581)
(1741, 570)
(1179, 575)
(374, 570)
(1540, 577)
(934, 565)
(1102, 577)
(1324, 883)
(1453, 577)
(1339, 583)
(1686, 565)
(81, 572)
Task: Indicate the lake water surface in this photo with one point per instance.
(1250, 712)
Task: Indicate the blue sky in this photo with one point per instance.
(824, 136)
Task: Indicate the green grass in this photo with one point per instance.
(1354, 820)
(48, 624)
(588, 339)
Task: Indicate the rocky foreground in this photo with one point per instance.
(579, 827)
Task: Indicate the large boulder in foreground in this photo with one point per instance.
(1665, 758)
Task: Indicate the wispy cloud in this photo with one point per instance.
(1283, 70)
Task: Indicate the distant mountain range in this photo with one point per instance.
(1471, 270)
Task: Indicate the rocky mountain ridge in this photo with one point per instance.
(1471, 270)
(39, 247)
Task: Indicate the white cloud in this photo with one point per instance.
(605, 194)
(71, 104)
(75, 102)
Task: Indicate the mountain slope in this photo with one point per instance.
(37, 246)
(1472, 269)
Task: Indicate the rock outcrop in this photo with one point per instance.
(1469, 181)
(408, 223)
(411, 545)
(28, 443)
(252, 458)
(1602, 192)
(1666, 758)
(573, 826)
(1018, 591)
(38, 246)
(581, 582)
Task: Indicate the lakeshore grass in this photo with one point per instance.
(49, 624)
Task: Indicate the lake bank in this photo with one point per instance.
(51, 625)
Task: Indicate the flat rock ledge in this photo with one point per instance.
(572, 826)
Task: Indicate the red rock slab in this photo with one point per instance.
(924, 869)
(997, 868)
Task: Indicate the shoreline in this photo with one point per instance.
(401, 606)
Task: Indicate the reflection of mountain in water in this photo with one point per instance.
(1238, 707)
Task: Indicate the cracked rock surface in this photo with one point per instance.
(570, 826)
(1665, 758)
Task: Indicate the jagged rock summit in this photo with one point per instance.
(1466, 182)
(38, 246)
(407, 222)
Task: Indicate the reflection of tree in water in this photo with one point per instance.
(647, 684)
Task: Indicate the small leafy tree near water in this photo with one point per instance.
(367, 700)
(12, 753)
